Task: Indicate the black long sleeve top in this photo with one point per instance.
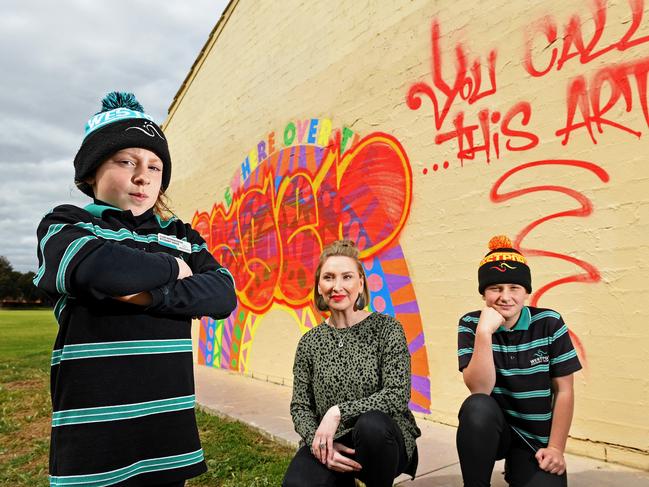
(122, 374)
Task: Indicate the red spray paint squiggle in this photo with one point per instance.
(585, 208)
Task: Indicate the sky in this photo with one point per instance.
(58, 60)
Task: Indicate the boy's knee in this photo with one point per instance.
(479, 409)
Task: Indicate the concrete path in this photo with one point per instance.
(265, 407)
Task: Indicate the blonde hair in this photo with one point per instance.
(344, 248)
(161, 206)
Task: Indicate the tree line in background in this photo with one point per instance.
(17, 286)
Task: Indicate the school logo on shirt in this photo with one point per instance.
(540, 357)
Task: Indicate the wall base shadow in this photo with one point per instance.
(588, 478)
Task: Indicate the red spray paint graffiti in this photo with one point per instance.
(573, 45)
(594, 101)
(472, 138)
(588, 100)
(467, 84)
(580, 96)
(490, 133)
(585, 208)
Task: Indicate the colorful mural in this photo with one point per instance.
(284, 205)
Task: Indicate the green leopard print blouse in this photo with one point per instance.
(362, 368)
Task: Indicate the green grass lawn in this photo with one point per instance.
(235, 454)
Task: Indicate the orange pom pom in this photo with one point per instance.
(500, 242)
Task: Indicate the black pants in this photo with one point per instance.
(483, 436)
(379, 449)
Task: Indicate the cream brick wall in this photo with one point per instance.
(269, 63)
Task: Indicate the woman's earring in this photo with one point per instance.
(320, 303)
(360, 302)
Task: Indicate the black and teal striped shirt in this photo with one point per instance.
(122, 378)
(527, 357)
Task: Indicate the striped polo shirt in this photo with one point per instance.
(527, 357)
(122, 375)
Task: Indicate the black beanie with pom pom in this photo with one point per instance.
(503, 265)
(120, 124)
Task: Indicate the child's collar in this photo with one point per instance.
(97, 208)
(522, 324)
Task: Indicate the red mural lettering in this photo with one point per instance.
(573, 45)
(525, 109)
(297, 220)
(260, 244)
(469, 146)
(587, 100)
(573, 37)
(271, 237)
(483, 136)
(548, 27)
(590, 102)
(467, 83)
(221, 228)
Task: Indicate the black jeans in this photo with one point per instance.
(379, 449)
(483, 436)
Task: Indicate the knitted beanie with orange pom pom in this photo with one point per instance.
(503, 265)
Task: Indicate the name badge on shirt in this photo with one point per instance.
(174, 243)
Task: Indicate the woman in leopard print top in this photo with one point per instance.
(351, 385)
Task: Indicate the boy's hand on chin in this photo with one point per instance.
(490, 320)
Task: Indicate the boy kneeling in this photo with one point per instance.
(518, 362)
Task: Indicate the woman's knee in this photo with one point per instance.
(374, 426)
(296, 477)
(290, 481)
(292, 478)
(302, 470)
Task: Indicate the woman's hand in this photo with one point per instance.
(340, 462)
(322, 446)
(183, 269)
(551, 460)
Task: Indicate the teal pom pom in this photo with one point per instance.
(120, 99)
